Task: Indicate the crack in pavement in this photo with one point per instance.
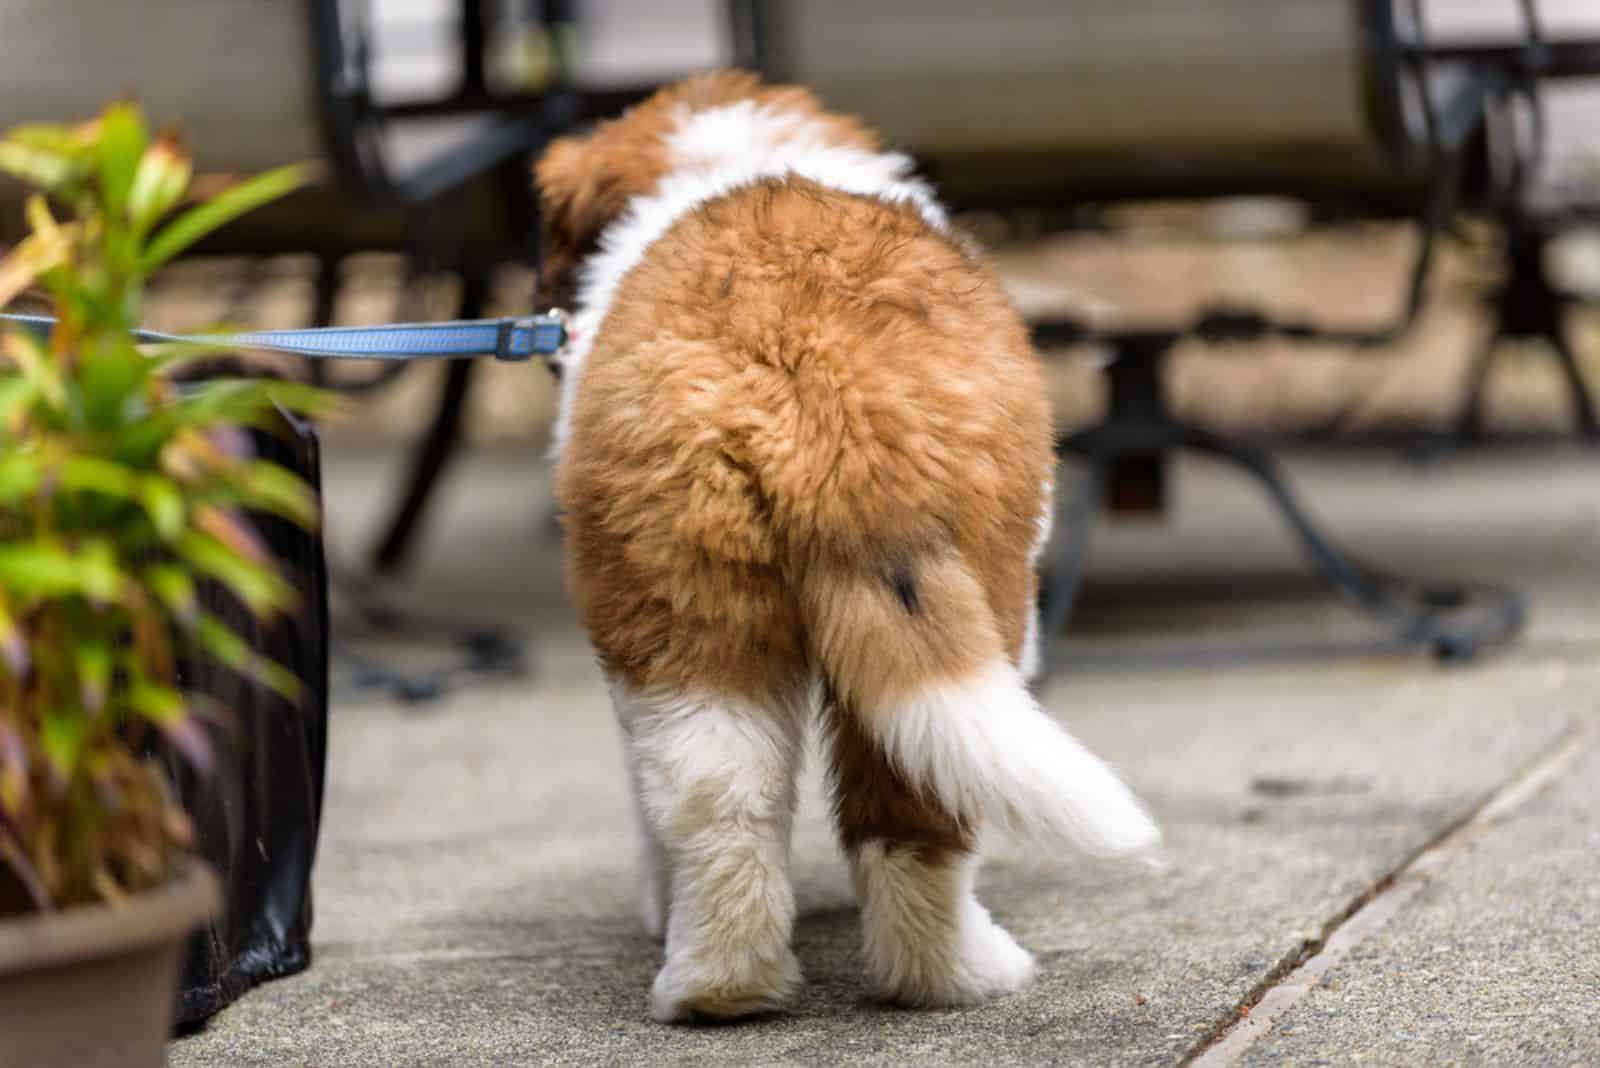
(1301, 970)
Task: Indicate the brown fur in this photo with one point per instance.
(796, 392)
(871, 799)
(585, 182)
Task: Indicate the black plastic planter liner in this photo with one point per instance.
(257, 814)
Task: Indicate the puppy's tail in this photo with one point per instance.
(913, 657)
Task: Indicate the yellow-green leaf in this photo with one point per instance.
(122, 142)
(39, 167)
(20, 475)
(47, 569)
(163, 502)
(90, 474)
(270, 487)
(217, 640)
(62, 735)
(17, 394)
(201, 220)
(32, 256)
(158, 704)
(26, 353)
(174, 588)
(260, 588)
(37, 212)
(48, 137)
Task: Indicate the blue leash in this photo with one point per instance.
(515, 340)
(512, 339)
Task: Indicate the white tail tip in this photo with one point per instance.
(985, 749)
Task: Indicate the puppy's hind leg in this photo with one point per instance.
(926, 941)
(655, 866)
(716, 781)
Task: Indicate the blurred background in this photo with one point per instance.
(1399, 196)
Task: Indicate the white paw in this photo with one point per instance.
(688, 990)
(993, 964)
(984, 964)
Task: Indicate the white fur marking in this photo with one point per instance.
(715, 152)
(655, 866)
(716, 781)
(986, 750)
(925, 938)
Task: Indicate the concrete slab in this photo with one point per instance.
(1497, 962)
(475, 890)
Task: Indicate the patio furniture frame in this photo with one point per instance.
(1125, 456)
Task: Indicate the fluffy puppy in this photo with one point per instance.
(804, 460)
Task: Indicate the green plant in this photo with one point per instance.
(120, 492)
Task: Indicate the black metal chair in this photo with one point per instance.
(1541, 201)
(1053, 103)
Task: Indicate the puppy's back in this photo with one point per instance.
(795, 376)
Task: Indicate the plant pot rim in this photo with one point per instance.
(47, 939)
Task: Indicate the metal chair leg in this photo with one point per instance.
(1063, 572)
(1577, 382)
(1455, 620)
(437, 448)
(1469, 426)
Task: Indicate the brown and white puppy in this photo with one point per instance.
(804, 462)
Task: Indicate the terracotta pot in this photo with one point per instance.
(95, 985)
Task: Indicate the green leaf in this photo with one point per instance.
(37, 212)
(39, 167)
(62, 733)
(272, 488)
(217, 640)
(90, 474)
(158, 704)
(20, 475)
(49, 137)
(30, 570)
(201, 220)
(236, 400)
(260, 588)
(166, 354)
(122, 141)
(102, 577)
(111, 380)
(166, 709)
(251, 403)
(17, 395)
(25, 352)
(47, 569)
(173, 588)
(163, 502)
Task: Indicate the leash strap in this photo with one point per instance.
(512, 339)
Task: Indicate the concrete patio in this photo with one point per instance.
(475, 892)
